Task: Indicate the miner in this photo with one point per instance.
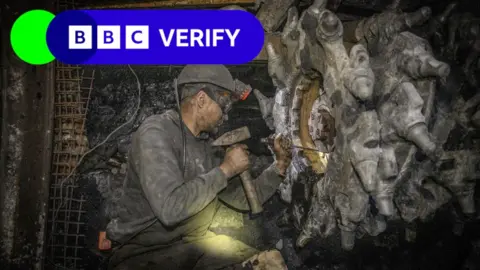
(171, 193)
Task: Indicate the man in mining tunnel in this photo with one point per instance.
(175, 180)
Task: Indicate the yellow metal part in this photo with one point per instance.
(317, 159)
(169, 3)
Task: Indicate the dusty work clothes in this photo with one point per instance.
(178, 208)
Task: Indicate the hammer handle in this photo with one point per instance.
(251, 193)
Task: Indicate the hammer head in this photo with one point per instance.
(232, 137)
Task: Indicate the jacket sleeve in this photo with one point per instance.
(266, 184)
(171, 198)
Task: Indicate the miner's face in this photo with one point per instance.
(224, 100)
(217, 116)
(209, 113)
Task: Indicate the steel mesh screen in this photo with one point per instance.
(66, 221)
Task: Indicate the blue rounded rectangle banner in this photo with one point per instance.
(159, 37)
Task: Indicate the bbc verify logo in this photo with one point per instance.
(136, 37)
(140, 37)
(108, 37)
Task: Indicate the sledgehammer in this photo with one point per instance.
(231, 138)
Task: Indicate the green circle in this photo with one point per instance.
(29, 37)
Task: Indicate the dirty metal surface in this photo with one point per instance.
(26, 106)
